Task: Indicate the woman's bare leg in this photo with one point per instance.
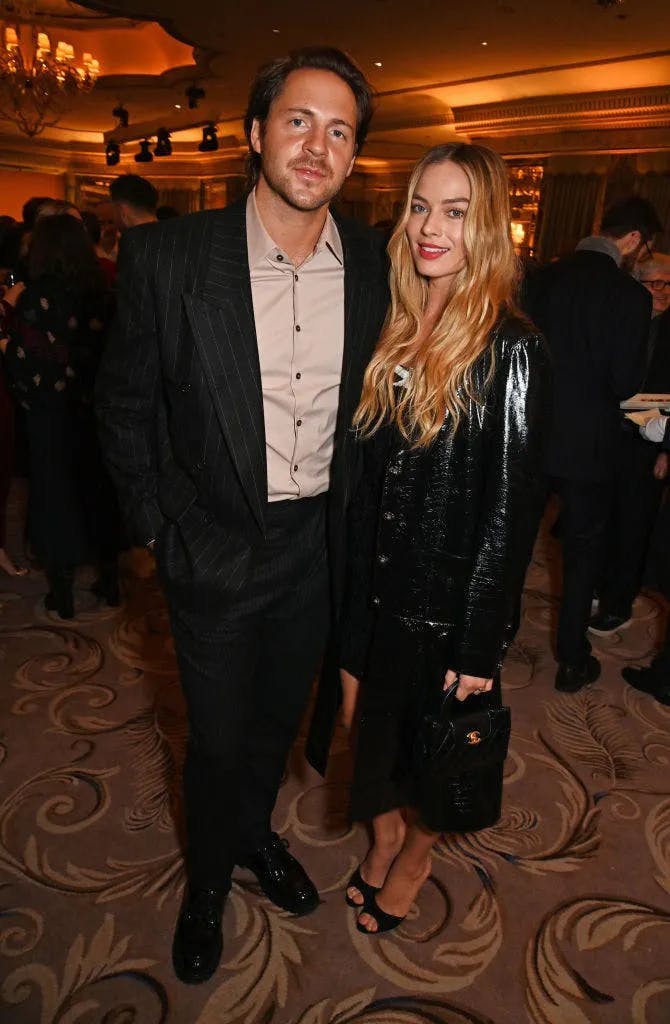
(388, 837)
(407, 873)
(7, 565)
(350, 688)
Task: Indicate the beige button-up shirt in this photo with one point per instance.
(299, 314)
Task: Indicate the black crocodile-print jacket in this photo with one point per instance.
(443, 536)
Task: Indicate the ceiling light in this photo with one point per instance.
(163, 145)
(112, 154)
(210, 142)
(177, 106)
(38, 84)
(485, 43)
(121, 115)
(194, 94)
(378, 64)
(276, 31)
(145, 156)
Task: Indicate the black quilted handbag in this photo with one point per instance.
(454, 738)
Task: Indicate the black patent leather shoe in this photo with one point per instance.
(571, 678)
(283, 880)
(198, 942)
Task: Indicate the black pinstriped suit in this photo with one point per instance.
(181, 413)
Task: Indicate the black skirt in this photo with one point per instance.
(405, 661)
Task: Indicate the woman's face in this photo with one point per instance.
(435, 226)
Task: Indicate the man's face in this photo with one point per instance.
(108, 228)
(657, 283)
(308, 141)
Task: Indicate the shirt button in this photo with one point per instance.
(298, 375)
(297, 327)
(280, 258)
(299, 423)
(296, 277)
(295, 468)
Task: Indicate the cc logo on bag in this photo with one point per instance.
(474, 738)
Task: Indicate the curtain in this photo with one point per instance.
(570, 204)
(185, 200)
(656, 188)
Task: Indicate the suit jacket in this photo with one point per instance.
(596, 320)
(180, 402)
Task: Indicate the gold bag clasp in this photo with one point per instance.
(474, 738)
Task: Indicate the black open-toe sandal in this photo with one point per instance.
(385, 922)
(366, 890)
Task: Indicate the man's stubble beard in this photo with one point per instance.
(304, 202)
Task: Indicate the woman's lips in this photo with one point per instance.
(431, 252)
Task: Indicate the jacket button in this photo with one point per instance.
(185, 387)
(200, 466)
(376, 601)
(389, 516)
(208, 519)
(382, 559)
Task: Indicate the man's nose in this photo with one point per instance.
(315, 141)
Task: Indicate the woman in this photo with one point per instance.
(451, 422)
(52, 332)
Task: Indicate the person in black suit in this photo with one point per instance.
(225, 405)
(640, 470)
(596, 320)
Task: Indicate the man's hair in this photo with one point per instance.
(136, 191)
(648, 266)
(632, 214)
(30, 209)
(270, 79)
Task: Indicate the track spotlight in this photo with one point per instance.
(210, 141)
(112, 154)
(194, 94)
(145, 156)
(163, 146)
(122, 115)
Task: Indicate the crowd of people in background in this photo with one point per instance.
(57, 278)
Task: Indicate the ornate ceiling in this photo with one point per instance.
(530, 77)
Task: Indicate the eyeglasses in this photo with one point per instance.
(659, 285)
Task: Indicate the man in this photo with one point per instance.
(596, 320)
(226, 401)
(108, 246)
(639, 470)
(134, 200)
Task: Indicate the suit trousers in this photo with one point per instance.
(584, 510)
(636, 498)
(246, 682)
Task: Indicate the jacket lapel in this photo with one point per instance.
(220, 312)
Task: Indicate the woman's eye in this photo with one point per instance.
(418, 208)
(456, 214)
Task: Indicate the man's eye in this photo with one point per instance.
(297, 121)
(338, 133)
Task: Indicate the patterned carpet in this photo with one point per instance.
(559, 915)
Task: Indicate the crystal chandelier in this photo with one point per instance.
(37, 84)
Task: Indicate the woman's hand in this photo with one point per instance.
(467, 684)
(661, 466)
(11, 296)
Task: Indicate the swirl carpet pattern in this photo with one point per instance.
(558, 915)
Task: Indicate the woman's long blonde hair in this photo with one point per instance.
(440, 384)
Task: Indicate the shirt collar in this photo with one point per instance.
(261, 247)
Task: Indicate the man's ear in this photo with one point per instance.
(353, 161)
(256, 135)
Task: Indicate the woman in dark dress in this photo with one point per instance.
(451, 423)
(53, 331)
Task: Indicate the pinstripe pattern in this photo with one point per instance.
(179, 393)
